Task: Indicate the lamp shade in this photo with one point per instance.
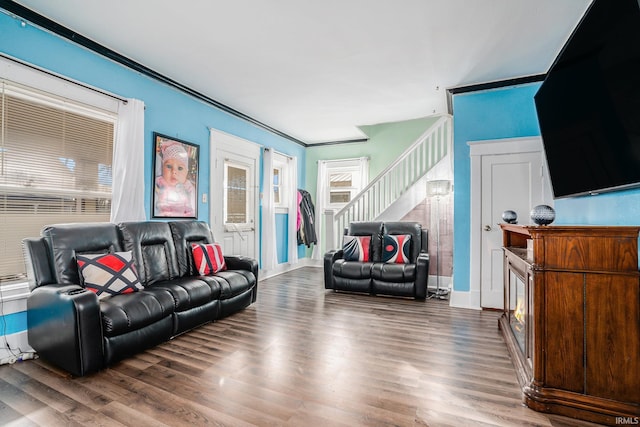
(438, 187)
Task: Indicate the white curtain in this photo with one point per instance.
(127, 200)
(322, 195)
(292, 186)
(269, 248)
(364, 171)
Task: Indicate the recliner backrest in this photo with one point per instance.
(153, 249)
(184, 234)
(369, 228)
(413, 229)
(65, 241)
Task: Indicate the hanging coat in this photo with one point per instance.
(307, 229)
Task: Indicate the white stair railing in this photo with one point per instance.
(392, 182)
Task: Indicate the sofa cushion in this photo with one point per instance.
(231, 282)
(352, 269)
(208, 258)
(397, 273)
(188, 292)
(356, 248)
(396, 248)
(109, 274)
(126, 313)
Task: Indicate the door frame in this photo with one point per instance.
(240, 146)
(478, 149)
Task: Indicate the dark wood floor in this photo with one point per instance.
(300, 356)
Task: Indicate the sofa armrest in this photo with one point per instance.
(239, 262)
(329, 258)
(422, 275)
(65, 327)
(36, 257)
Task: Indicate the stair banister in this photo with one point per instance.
(392, 182)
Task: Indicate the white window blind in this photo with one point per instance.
(55, 166)
(236, 193)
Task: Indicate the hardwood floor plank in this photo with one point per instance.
(299, 356)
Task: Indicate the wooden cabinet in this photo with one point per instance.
(571, 319)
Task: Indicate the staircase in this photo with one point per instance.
(393, 182)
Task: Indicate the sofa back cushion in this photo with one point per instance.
(413, 229)
(153, 249)
(184, 234)
(65, 241)
(373, 229)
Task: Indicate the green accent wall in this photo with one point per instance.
(386, 142)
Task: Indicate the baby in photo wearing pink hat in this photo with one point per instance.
(174, 193)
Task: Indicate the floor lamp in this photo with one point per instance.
(438, 188)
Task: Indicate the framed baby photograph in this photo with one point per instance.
(175, 178)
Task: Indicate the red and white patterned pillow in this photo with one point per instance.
(109, 274)
(208, 258)
(396, 248)
(356, 248)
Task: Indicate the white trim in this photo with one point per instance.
(13, 299)
(48, 82)
(13, 292)
(505, 146)
(465, 299)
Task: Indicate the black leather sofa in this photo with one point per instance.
(375, 276)
(71, 328)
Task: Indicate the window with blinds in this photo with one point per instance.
(236, 201)
(55, 166)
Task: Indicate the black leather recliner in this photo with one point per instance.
(376, 277)
(71, 328)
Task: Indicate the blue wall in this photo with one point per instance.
(168, 111)
(13, 323)
(510, 113)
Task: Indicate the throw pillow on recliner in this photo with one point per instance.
(356, 248)
(108, 274)
(208, 258)
(396, 248)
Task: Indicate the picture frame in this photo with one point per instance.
(175, 178)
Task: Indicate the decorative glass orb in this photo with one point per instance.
(510, 217)
(543, 214)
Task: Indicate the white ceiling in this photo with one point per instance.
(318, 70)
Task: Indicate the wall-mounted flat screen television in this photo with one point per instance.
(589, 103)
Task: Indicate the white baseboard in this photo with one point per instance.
(465, 299)
(283, 268)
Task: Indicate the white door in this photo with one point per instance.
(505, 174)
(234, 202)
(509, 181)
